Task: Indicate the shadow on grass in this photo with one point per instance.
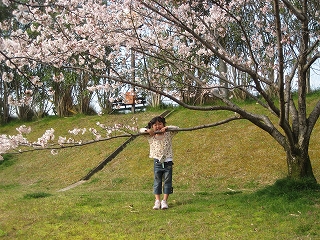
(8, 160)
(291, 189)
(36, 195)
(286, 195)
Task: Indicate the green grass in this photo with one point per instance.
(226, 186)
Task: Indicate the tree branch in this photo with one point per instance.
(313, 117)
(79, 144)
(294, 10)
(312, 60)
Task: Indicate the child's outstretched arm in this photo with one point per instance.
(152, 133)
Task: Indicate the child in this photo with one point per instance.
(160, 142)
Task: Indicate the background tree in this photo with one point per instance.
(276, 45)
(5, 15)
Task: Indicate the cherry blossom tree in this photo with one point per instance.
(218, 49)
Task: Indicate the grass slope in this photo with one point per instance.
(223, 186)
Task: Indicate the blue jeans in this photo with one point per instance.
(162, 172)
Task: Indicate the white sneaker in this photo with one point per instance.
(156, 205)
(164, 204)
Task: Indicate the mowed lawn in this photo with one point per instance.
(223, 185)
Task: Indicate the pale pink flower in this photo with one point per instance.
(23, 129)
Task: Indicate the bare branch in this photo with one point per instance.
(294, 10)
(315, 57)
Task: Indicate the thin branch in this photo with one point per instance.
(128, 135)
(312, 60)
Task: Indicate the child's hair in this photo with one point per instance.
(157, 119)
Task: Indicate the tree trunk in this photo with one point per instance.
(83, 95)
(299, 165)
(222, 71)
(63, 100)
(155, 99)
(4, 106)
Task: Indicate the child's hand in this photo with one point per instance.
(151, 132)
(163, 129)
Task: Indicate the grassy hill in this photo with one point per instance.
(221, 181)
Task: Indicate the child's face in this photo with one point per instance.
(157, 126)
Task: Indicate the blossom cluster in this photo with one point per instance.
(125, 25)
(26, 100)
(9, 142)
(77, 136)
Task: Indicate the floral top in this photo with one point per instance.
(161, 145)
